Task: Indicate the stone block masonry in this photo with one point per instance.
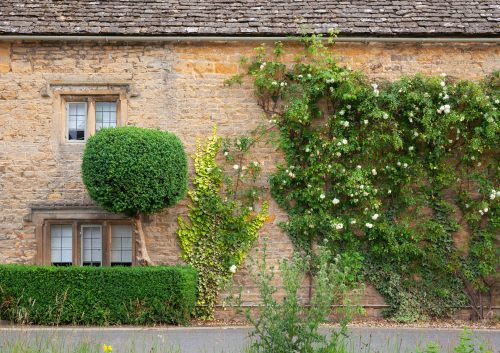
(181, 90)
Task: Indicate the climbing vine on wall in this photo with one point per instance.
(404, 172)
(223, 224)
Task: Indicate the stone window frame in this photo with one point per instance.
(90, 101)
(43, 218)
(89, 92)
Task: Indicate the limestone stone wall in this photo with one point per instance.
(180, 89)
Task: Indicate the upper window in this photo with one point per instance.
(85, 118)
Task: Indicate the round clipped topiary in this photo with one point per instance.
(134, 170)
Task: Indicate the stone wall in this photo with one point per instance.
(181, 90)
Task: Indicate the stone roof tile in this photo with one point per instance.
(248, 17)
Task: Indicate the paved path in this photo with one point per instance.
(233, 339)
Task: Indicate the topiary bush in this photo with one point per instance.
(131, 170)
(53, 295)
(134, 170)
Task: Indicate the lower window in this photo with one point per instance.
(99, 244)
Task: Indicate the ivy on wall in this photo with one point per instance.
(223, 225)
(405, 173)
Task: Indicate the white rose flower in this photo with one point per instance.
(342, 112)
(443, 75)
(226, 153)
(369, 225)
(232, 268)
(366, 122)
(497, 101)
(359, 167)
(374, 172)
(442, 84)
(415, 134)
(261, 67)
(339, 226)
(339, 143)
(348, 107)
(344, 141)
(399, 164)
(385, 116)
(353, 221)
(322, 196)
(235, 167)
(485, 209)
(375, 216)
(243, 168)
(410, 148)
(309, 75)
(346, 123)
(467, 205)
(405, 165)
(473, 158)
(274, 83)
(335, 201)
(257, 163)
(209, 169)
(374, 86)
(307, 149)
(479, 164)
(492, 196)
(389, 191)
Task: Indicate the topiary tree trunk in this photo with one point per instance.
(142, 256)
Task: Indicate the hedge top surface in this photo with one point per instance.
(132, 170)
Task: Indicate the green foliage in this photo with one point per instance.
(471, 345)
(396, 171)
(222, 227)
(290, 324)
(51, 295)
(133, 170)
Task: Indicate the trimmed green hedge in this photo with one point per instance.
(53, 295)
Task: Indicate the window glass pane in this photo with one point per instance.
(121, 245)
(105, 113)
(91, 245)
(77, 117)
(116, 256)
(61, 244)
